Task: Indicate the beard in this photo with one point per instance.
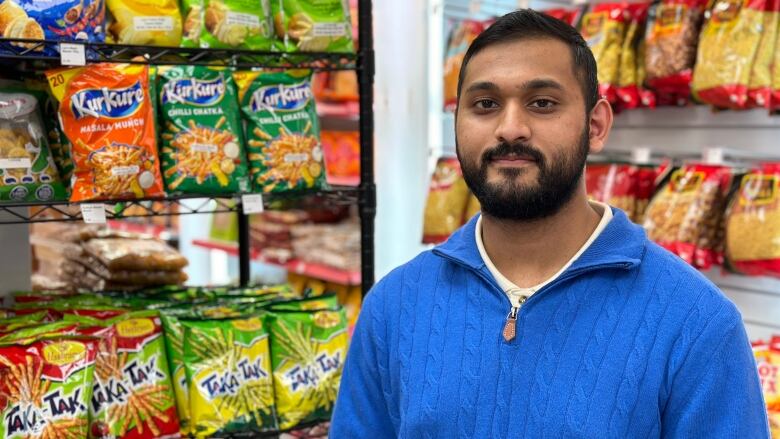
(508, 199)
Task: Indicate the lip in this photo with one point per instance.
(512, 162)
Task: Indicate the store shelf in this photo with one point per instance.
(157, 231)
(317, 271)
(34, 50)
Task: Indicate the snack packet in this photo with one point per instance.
(27, 169)
(604, 29)
(145, 22)
(628, 76)
(108, 115)
(446, 203)
(202, 148)
(229, 374)
(768, 363)
(306, 26)
(174, 346)
(760, 84)
(192, 22)
(307, 351)
(461, 37)
(236, 24)
(45, 388)
(282, 130)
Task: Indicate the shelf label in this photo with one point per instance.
(252, 203)
(153, 23)
(93, 213)
(72, 54)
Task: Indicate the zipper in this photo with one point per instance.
(510, 327)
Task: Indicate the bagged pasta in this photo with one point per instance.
(282, 130)
(202, 146)
(238, 24)
(307, 26)
(671, 40)
(628, 76)
(145, 22)
(727, 47)
(753, 224)
(446, 203)
(228, 367)
(107, 113)
(604, 29)
(307, 351)
(760, 85)
(45, 387)
(27, 169)
(461, 37)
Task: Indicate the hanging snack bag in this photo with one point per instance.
(174, 346)
(753, 224)
(202, 150)
(727, 47)
(237, 24)
(768, 363)
(566, 15)
(145, 22)
(192, 22)
(306, 26)
(108, 115)
(45, 386)
(613, 184)
(27, 169)
(604, 29)
(282, 130)
(671, 41)
(461, 37)
(628, 76)
(229, 374)
(446, 203)
(760, 85)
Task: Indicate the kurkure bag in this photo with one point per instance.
(307, 350)
(202, 147)
(229, 376)
(282, 130)
(238, 24)
(107, 114)
(313, 26)
(45, 388)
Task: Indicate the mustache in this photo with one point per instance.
(504, 149)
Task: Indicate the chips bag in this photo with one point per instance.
(768, 363)
(727, 47)
(282, 130)
(307, 350)
(27, 169)
(45, 387)
(202, 149)
(613, 184)
(446, 203)
(145, 22)
(461, 37)
(753, 224)
(604, 29)
(306, 26)
(108, 116)
(174, 346)
(760, 84)
(628, 78)
(238, 24)
(229, 374)
(192, 22)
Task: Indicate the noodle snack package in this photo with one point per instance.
(282, 130)
(628, 83)
(229, 374)
(145, 22)
(604, 29)
(448, 197)
(202, 148)
(235, 24)
(760, 84)
(107, 114)
(313, 26)
(45, 388)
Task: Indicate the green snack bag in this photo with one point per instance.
(314, 26)
(307, 356)
(237, 24)
(202, 149)
(192, 14)
(27, 169)
(174, 346)
(229, 374)
(35, 331)
(45, 388)
(282, 130)
(314, 303)
(13, 323)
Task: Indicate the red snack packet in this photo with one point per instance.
(760, 85)
(629, 75)
(614, 184)
(458, 43)
(447, 200)
(569, 16)
(604, 28)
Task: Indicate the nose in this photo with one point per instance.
(512, 125)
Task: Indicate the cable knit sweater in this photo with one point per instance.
(629, 342)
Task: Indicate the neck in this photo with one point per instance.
(529, 252)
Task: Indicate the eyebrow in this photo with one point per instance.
(534, 84)
(482, 86)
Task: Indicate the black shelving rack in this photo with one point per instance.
(25, 55)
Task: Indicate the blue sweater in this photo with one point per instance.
(630, 342)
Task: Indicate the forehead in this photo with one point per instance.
(518, 61)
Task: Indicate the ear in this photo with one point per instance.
(600, 125)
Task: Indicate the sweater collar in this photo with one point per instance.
(621, 242)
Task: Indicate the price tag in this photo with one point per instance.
(252, 203)
(641, 155)
(714, 156)
(72, 54)
(93, 213)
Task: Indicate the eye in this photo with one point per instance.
(543, 104)
(485, 104)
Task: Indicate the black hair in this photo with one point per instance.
(527, 23)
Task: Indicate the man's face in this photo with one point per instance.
(521, 128)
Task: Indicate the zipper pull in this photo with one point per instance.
(510, 325)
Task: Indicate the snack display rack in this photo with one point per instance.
(28, 55)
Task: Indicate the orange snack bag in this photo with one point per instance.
(107, 113)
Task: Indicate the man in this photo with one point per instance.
(547, 316)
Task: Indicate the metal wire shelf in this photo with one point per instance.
(46, 51)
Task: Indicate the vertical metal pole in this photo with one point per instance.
(367, 203)
(244, 249)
